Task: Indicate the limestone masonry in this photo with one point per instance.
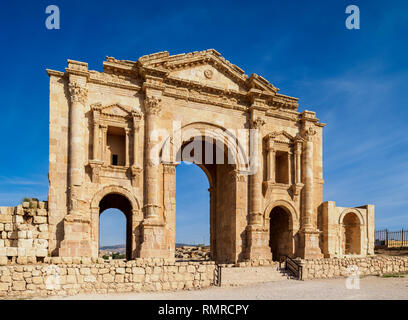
(117, 136)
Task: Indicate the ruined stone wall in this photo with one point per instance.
(335, 268)
(68, 276)
(24, 233)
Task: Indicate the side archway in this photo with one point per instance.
(282, 221)
(116, 197)
(351, 223)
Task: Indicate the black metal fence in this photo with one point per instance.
(391, 239)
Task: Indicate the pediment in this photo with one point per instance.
(116, 110)
(281, 137)
(208, 75)
(205, 67)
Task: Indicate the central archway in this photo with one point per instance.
(213, 150)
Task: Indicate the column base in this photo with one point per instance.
(77, 238)
(258, 244)
(309, 244)
(155, 244)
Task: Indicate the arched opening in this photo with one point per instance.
(214, 158)
(193, 213)
(280, 238)
(351, 234)
(123, 205)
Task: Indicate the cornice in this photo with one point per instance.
(55, 73)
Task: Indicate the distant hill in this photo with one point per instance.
(121, 248)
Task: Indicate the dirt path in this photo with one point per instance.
(370, 288)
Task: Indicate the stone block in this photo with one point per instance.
(107, 278)
(40, 252)
(6, 218)
(3, 261)
(11, 252)
(43, 227)
(22, 234)
(41, 212)
(21, 252)
(25, 243)
(40, 220)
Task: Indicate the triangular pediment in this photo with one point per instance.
(281, 137)
(205, 67)
(116, 110)
(208, 75)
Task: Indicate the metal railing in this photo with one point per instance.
(291, 266)
(391, 239)
(217, 276)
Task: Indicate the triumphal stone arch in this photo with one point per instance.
(117, 136)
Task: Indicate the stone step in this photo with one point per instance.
(239, 276)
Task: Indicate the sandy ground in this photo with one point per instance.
(370, 288)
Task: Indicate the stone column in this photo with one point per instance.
(298, 162)
(257, 236)
(151, 207)
(289, 167)
(77, 225)
(308, 212)
(104, 159)
(78, 95)
(255, 188)
(95, 135)
(154, 229)
(135, 140)
(136, 169)
(127, 132)
(169, 203)
(271, 160)
(309, 236)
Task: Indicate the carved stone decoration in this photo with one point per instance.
(106, 153)
(153, 105)
(238, 175)
(77, 92)
(136, 173)
(208, 73)
(169, 168)
(95, 170)
(257, 123)
(309, 133)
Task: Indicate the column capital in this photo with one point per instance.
(309, 133)
(257, 123)
(152, 105)
(169, 168)
(238, 175)
(77, 92)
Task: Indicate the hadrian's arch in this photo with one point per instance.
(104, 152)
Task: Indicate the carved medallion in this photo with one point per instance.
(208, 73)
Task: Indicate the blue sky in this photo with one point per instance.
(356, 81)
